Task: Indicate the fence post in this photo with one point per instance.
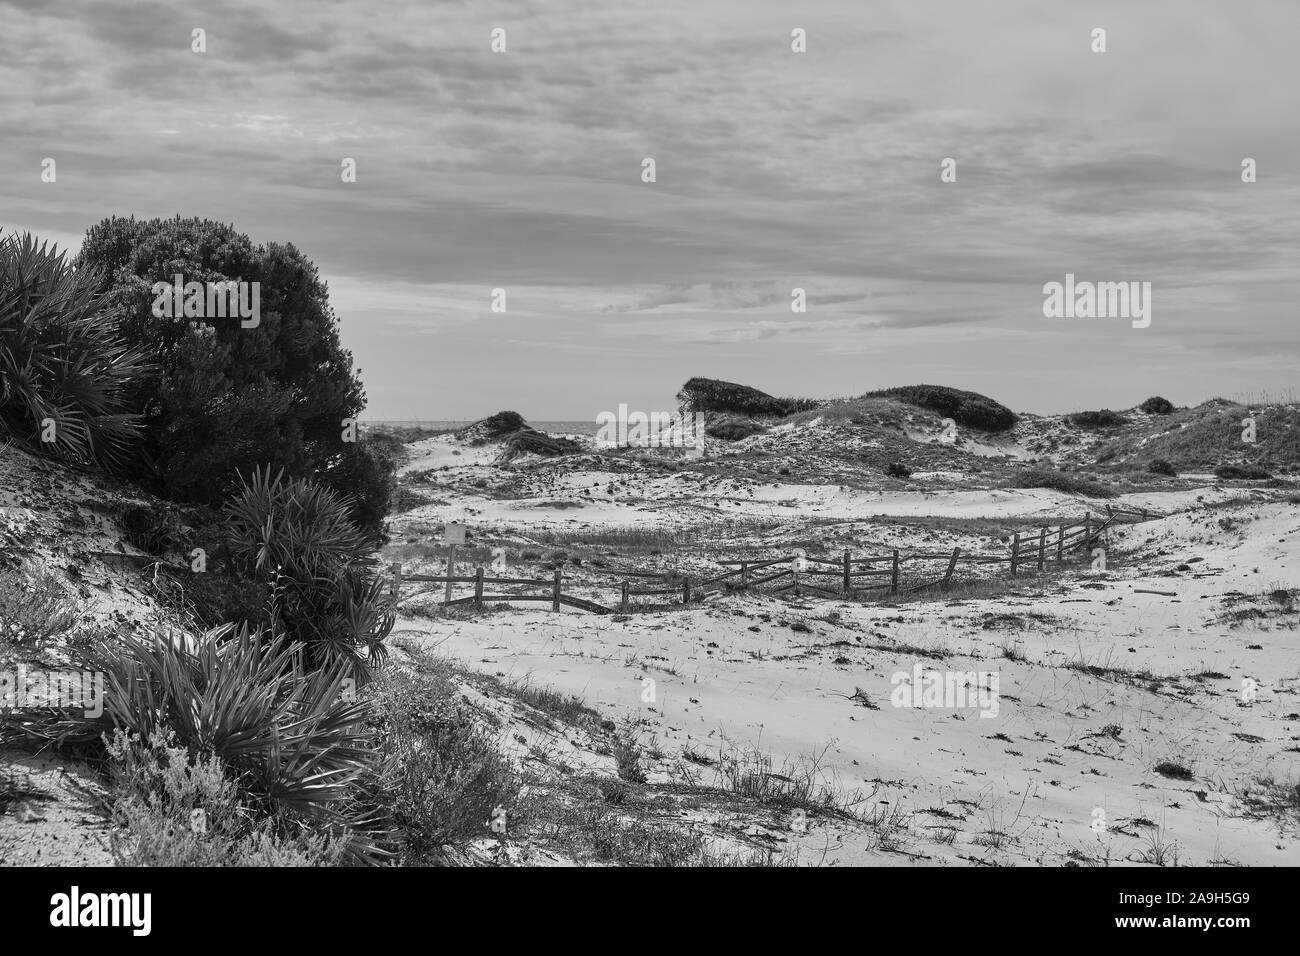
(744, 574)
(395, 588)
(1042, 549)
(1087, 532)
(893, 579)
(846, 572)
(1060, 544)
(478, 586)
(451, 570)
(1015, 553)
(952, 565)
(555, 592)
(623, 604)
(686, 590)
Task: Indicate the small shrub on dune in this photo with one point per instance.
(1104, 418)
(502, 423)
(1161, 467)
(170, 807)
(443, 775)
(898, 470)
(1241, 473)
(1061, 481)
(1155, 405)
(35, 611)
(733, 428)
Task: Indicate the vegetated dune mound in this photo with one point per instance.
(1210, 436)
(516, 437)
(969, 409)
(713, 395)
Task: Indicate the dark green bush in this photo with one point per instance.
(65, 371)
(365, 474)
(898, 470)
(1104, 418)
(223, 399)
(1161, 467)
(1155, 405)
(965, 408)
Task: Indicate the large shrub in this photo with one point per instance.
(970, 409)
(64, 368)
(224, 398)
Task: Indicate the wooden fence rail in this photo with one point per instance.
(1027, 549)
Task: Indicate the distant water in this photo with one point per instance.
(551, 428)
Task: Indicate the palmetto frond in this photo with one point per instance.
(63, 367)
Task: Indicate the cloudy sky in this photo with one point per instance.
(775, 170)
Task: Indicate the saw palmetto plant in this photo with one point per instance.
(63, 368)
(325, 589)
(296, 739)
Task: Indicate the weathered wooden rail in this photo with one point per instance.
(847, 574)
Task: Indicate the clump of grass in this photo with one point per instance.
(567, 708)
(797, 785)
(1171, 768)
(1280, 800)
(595, 829)
(1160, 850)
(628, 756)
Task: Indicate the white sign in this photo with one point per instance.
(453, 534)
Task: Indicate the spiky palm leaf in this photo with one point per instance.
(61, 360)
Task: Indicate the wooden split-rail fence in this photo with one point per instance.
(846, 576)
